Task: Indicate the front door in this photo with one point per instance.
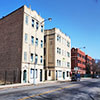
(45, 74)
(56, 75)
(40, 75)
(24, 76)
(63, 75)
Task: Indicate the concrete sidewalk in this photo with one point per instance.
(25, 84)
(42, 83)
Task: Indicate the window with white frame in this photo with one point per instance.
(41, 43)
(32, 22)
(68, 64)
(36, 42)
(59, 38)
(41, 59)
(32, 40)
(59, 74)
(41, 28)
(31, 57)
(36, 59)
(58, 50)
(68, 43)
(26, 19)
(36, 73)
(25, 56)
(67, 73)
(58, 62)
(31, 73)
(37, 25)
(26, 37)
(68, 54)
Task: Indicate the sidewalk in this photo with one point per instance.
(42, 83)
(25, 84)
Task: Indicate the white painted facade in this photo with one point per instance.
(29, 49)
(61, 66)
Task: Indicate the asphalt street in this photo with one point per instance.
(88, 89)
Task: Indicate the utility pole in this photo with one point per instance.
(39, 24)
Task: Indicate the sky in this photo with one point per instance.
(79, 19)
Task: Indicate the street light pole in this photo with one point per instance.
(49, 19)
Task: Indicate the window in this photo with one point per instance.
(26, 20)
(31, 57)
(31, 73)
(49, 72)
(25, 56)
(36, 59)
(68, 54)
(68, 64)
(83, 57)
(58, 62)
(58, 38)
(41, 44)
(32, 39)
(68, 44)
(78, 55)
(67, 73)
(41, 28)
(41, 59)
(32, 23)
(36, 41)
(83, 63)
(79, 61)
(36, 73)
(37, 25)
(26, 37)
(59, 74)
(58, 50)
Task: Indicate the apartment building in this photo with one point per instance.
(21, 46)
(89, 64)
(78, 60)
(57, 55)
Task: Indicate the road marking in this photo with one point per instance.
(47, 92)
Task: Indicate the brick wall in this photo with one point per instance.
(11, 29)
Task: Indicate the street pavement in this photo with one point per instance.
(87, 89)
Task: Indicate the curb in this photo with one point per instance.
(29, 84)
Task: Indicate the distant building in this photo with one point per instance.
(21, 47)
(78, 60)
(89, 63)
(57, 55)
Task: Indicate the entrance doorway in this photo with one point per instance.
(40, 75)
(24, 76)
(63, 75)
(45, 74)
(56, 75)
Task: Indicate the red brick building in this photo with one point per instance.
(78, 60)
(89, 63)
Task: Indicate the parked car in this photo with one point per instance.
(95, 76)
(75, 77)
